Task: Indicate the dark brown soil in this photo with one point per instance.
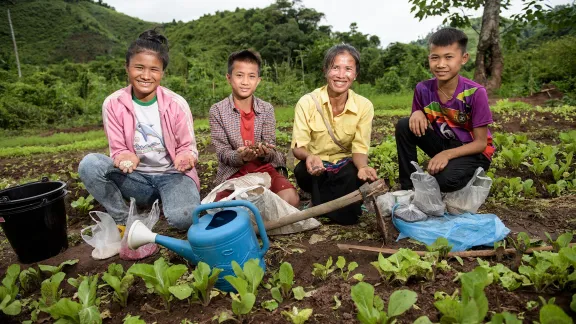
(534, 216)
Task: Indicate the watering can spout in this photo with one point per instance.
(139, 235)
(180, 247)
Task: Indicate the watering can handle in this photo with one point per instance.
(237, 203)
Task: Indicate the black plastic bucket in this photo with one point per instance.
(33, 217)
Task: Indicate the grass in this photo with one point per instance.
(35, 149)
(53, 140)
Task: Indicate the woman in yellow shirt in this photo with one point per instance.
(331, 135)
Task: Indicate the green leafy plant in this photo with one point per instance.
(547, 268)
(552, 314)
(50, 291)
(159, 277)
(505, 318)
(83, 205)
(558, 188)
(569, 140)
(244, 299)
(297, 316)
(560, 242)
(129, 319)
(283, 282)
(345, 272)
(252, 273)
(86, 312)
(507, 278)
(203, 282)
(402, 266)
(121, 283)
(559, 170)
(441, 246)
(323, 270)
(30, 279)
(55, 269)
(472, 307)
(515, 155)
(269, 305)
(9, 305)
(371, 307)
(538, 166)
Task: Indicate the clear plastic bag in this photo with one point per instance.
(408, 213)
(471, 197)
(427, 195)
(149, 220)
(385, 203)
(253, 187)
(105, 238)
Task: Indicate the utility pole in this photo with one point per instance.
(15, 47)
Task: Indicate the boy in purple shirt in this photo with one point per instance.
(449, 120)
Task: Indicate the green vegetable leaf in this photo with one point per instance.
(242, 303)
(270, 305)
(90, 315)
(298, 316)
(401, 301)
(552, 314)
(129, 319)
(299, 293)
(276, 294)
(363, 296)
(181, 291)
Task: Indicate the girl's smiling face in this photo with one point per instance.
(145, 71)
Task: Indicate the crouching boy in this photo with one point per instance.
(449, 120)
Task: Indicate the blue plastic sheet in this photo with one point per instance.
(463, 231)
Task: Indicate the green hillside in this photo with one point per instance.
(49, 31)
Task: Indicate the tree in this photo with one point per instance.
(489, 58)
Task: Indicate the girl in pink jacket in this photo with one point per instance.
(151, 139)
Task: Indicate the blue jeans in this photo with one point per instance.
(111, 188)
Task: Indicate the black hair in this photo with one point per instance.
(448, 36)
(246, 55)
(150, 41)
(336, 50)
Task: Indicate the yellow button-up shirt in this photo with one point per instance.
(352, 127)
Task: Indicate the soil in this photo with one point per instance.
(534, 216)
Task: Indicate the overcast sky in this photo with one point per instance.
(390, 20)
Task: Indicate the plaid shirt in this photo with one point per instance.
(226, 136)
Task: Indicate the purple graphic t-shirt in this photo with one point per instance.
(455, 119)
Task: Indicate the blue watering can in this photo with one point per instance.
(216, 239)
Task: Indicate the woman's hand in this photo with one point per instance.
(314, 165)
(367, 173)
(247, 154)
(126, 162)
(418, 123)
(184, 161)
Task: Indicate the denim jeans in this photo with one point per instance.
(111, 188)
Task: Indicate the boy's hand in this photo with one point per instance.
(127, 162)
(264, 149)
(418, 123)
(247, 154)
(367, 173)
(184, 161)
(314, 165)
(438, 163)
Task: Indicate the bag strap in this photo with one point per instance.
(319, 108)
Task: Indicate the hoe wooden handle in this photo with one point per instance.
(367, 190)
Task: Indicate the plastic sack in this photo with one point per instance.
(463, 231)
(105, 237)
(385, 203)
(149, 220)
(271, 207)
(409, 213)
(427, 195)
(471, 197)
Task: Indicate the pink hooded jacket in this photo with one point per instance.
(176, 122)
